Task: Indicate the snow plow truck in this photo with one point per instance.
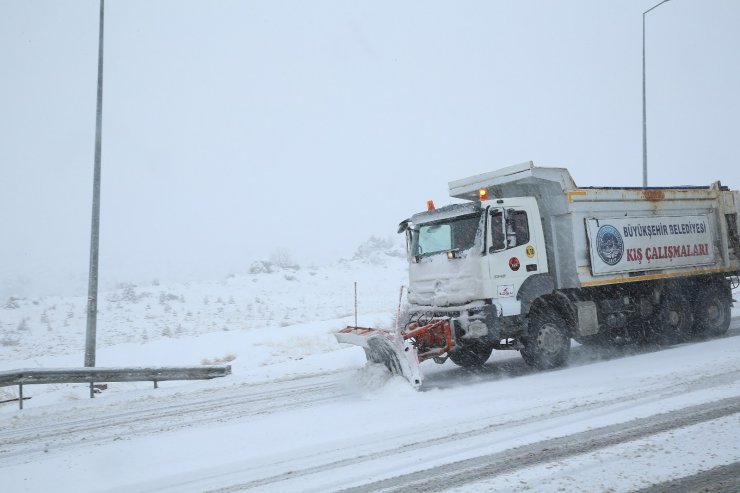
(530, 261)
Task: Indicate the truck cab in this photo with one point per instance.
(470, 261)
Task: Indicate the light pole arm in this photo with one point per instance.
(655, 6)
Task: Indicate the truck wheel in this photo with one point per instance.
(712, 312)
(674, 320)
(548, 343)
(471, 356)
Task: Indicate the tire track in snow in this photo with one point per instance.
(261, 399)
(478, 429)
(722, 479)
(468, 471)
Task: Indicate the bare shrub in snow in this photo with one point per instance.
(261, 267)
(375, 250)
(282, 258)
(12, 303)
(128, 294)
(165, 297)
(8, 341)
(23, 325)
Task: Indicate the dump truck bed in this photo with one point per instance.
(606, 235)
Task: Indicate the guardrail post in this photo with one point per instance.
(156, 386)
(20, 395)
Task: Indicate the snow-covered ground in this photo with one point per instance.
(301, 412)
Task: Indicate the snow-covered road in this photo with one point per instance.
(608, 422)
(301, 412)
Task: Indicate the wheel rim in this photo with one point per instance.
(674, 318)
(715, 314)
(549, 339)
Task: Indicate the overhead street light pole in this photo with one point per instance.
(644, 110)
(92, 293)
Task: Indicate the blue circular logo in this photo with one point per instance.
(609, 244)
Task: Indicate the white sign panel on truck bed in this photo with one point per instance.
(627, 244)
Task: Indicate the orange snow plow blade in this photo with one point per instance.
(401, 352)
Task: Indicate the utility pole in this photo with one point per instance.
(92, 292)
(644, 110)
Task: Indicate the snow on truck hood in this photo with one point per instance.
(439, 281)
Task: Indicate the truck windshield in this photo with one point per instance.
(456, 233)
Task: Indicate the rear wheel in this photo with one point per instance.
(675, 320)
(548, 342)
(472, 355)
(712, 311)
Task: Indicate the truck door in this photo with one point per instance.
(515, 250)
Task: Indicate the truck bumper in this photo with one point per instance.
(474, 321)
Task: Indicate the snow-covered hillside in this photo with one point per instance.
(276, 313)
(301, 412)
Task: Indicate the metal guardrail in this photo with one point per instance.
(36, 376)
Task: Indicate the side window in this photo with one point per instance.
(517, 228)
(498, 238)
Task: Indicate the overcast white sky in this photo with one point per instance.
(232, 128)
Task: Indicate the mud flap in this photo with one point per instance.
(389, 349)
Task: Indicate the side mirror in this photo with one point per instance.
(403, 226)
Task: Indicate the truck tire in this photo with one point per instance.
(712, 312)
(471, 356)
(548, 342)
(674, 320)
